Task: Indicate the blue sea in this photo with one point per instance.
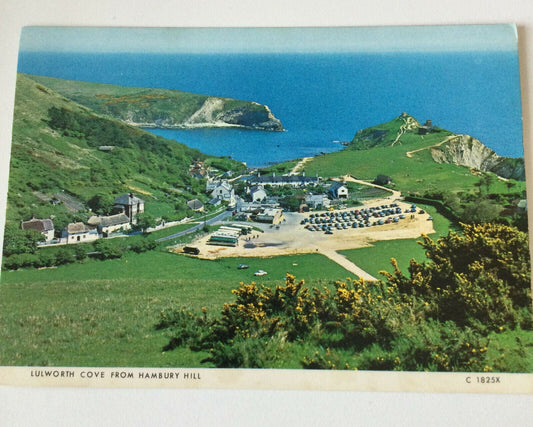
(321, 99)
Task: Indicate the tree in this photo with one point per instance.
(18, 241)
(101, 204)
(107, 249)
(479, 184)
(144, 221)
(80, 253)
(481, 211)
(488, 181)
(290, 203)
(64, 256)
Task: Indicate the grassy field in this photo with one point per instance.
(418, 174)
(102, 313)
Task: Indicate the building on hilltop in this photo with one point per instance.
(427, 128)
(44, 226)
(130, 206)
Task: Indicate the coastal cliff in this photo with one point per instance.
(464, 150)
(164, 108)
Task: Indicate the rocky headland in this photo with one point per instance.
(164, 108)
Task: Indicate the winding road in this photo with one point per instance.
(220, 217)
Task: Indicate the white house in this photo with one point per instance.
(338, 190)
(258, 193)
(44, 226)
(78, 232)
(223, 190)
(109, 224)
(211, 184)
(317, 201)
(296, 181)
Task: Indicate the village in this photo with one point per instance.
(266, 215)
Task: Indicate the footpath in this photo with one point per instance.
(347, 264)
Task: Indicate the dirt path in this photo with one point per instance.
(445, 140)
(299, 166)
(395, 195)
(410, 123)
(347, 264)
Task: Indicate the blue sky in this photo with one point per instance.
(270, 40)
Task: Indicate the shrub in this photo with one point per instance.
(431, 346)
(17, 261)
(64, 256)
(45, 259)
(80, 252)
(143, 245)
(479, 278)
(107, 249)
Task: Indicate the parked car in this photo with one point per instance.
(243, 266)
(260, 273)
(191, 250)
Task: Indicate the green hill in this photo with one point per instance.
(402, 130)
(443, 146)
(164, 108)
(63, 154)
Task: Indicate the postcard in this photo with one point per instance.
(272, 208)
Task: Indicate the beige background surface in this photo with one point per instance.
(66, 406)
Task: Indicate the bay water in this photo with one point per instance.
(321, 99)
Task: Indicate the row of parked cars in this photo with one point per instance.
(357, 218)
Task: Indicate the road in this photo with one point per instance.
(220, 217)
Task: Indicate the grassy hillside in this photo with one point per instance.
(164, 108)
(396, 149)
(55, 156)
(402, 130)
(95, 314)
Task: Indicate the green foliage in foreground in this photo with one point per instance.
(442, 317)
